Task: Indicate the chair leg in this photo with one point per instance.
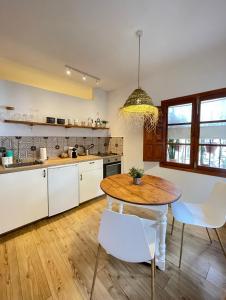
(209, 235)
(181, 245)
(153, 278)
(220, 241)
(172, 226)
(95, 271)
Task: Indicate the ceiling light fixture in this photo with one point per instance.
(68, 72)
(139, 107)
(85, 75)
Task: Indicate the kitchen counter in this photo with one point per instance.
(51, 162)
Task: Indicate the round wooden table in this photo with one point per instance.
(154, 193)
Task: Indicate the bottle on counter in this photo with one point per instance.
(43, 154)
(9, 154)
(74, 153)
(70, 150)
(2, 152)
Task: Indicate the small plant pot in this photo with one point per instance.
(211, 149)
(137, 181)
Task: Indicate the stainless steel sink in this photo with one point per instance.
(23, 164)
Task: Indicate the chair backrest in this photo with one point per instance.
(123, 237)
(195, 187)
(215, 205)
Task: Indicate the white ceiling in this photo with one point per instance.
(98, 36)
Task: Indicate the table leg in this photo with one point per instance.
(162, 240)
(110, 201)
(121, 207)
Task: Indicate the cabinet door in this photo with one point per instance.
(153, 142)
(62, 188)
(90, 184)
(23, 198)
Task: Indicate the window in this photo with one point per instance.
(212, 137)
(179, 133)
(195, 133)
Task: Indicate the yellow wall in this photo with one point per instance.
(13, 71)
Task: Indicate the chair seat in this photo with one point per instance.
(193, 214)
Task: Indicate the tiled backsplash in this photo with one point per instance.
(29, 146)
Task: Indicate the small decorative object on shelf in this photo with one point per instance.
(50, 120)
(104, 123)
(90, 122)
(60, 121)
(9, 107)
(98, 122)
(137, 174)
(76, 122)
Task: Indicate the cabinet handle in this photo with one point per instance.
(80, 176)
(44, 173)
(92, 162)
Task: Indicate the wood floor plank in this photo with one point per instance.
(54, 259)
(59, 275)
(81, 257)
(14, 275)
(33, 281)
(4, 273)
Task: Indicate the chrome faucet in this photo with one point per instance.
(83, 147)
(86, 151)
(90, 147)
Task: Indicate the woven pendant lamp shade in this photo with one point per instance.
(139, 108)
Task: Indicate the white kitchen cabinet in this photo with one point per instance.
(91, 174)
(63, 191)
(23, 198)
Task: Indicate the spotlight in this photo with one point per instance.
(68, 72)
(84, 77)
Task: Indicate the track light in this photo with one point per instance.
(85, 75)
(68, 72)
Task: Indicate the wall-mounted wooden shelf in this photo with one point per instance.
(31, 123)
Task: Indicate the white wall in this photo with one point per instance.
(198, 74)
(30, 100)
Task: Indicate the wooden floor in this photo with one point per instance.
(54, 259)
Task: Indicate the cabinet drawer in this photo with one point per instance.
(91, 165)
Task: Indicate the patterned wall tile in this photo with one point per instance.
(29, 146)
(72, 141)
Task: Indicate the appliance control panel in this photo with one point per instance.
(112, 159)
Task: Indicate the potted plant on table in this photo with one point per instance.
(137, 174)
(172, 148)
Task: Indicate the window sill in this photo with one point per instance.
(199, 170)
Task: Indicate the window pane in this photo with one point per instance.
(178, 153)
(212, 156)
(179, 113)
(214, 109)
(179, 141)
(213, 133)
(179, 132)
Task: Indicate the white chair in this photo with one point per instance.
(128, 238)
(209, 214)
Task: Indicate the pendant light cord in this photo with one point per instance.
(139, 64)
